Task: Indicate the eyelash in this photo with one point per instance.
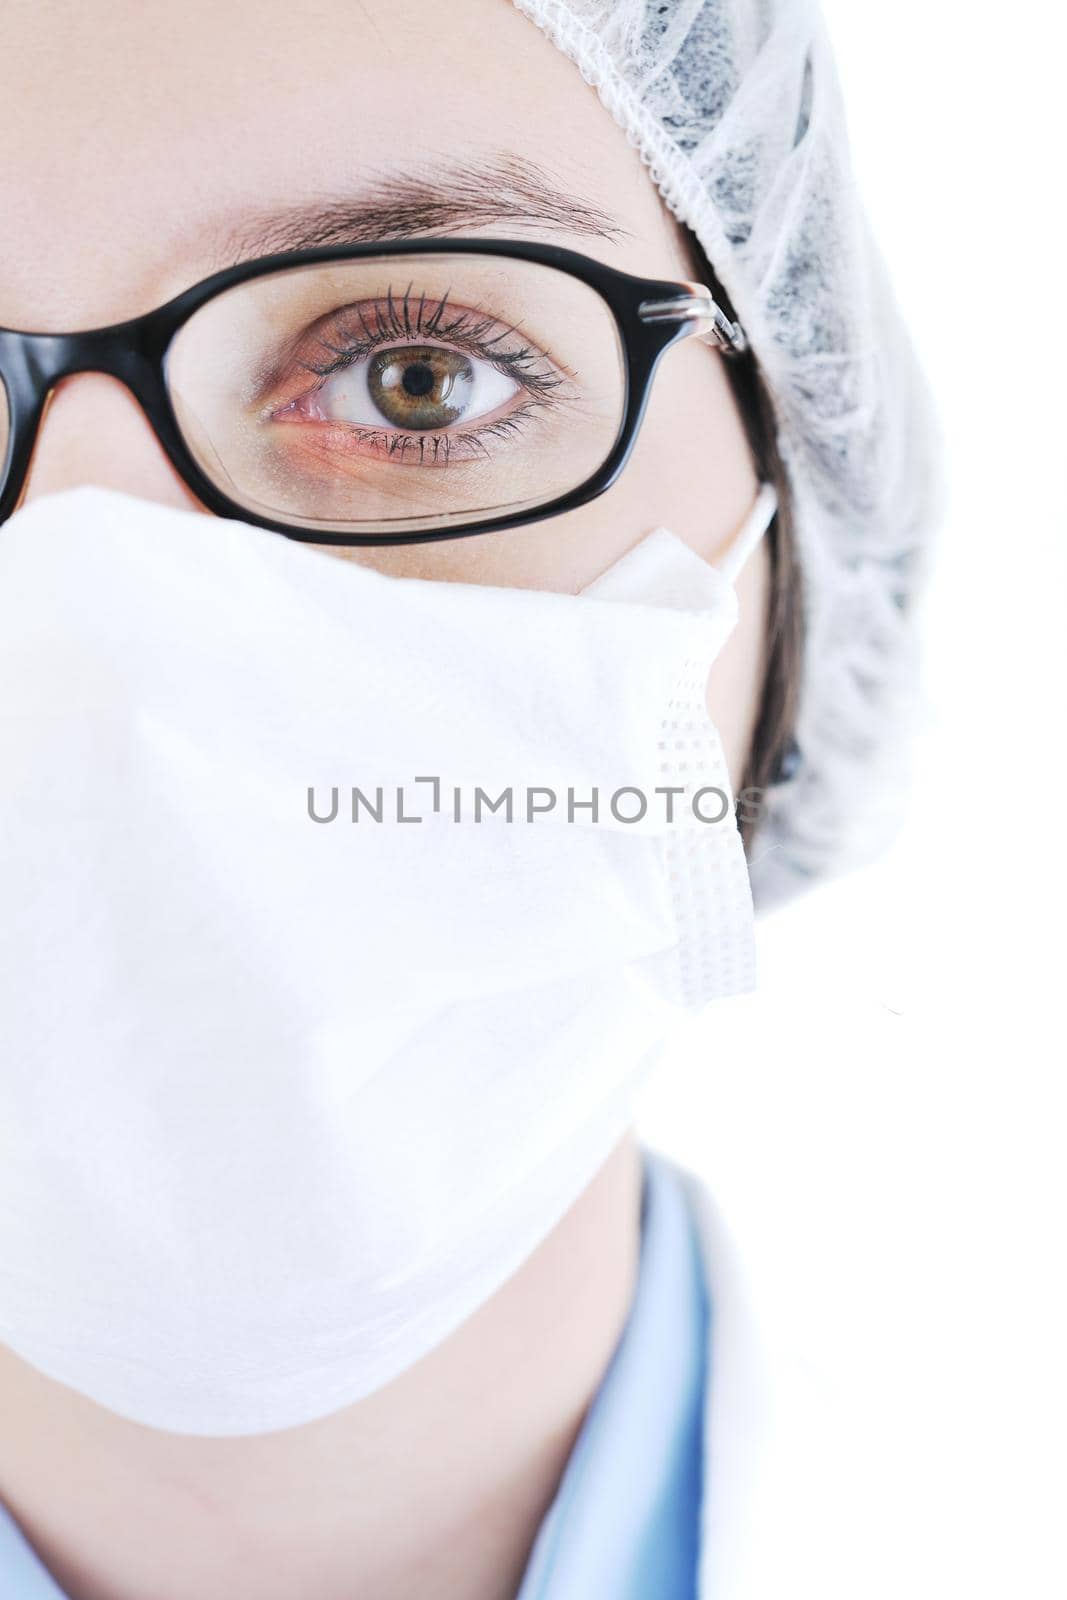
(467, 332)
(397, 442)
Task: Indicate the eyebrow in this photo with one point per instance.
(503, 188)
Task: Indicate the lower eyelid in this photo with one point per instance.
(349, 435)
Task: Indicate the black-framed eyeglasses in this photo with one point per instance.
(383, 393)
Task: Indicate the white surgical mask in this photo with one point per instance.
(284, 1100)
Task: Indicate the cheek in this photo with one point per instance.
(736, 678)
(559, 554)
(692, 468)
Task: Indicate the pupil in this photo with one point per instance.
(418, 379)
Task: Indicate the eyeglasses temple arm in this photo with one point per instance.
(698, 306)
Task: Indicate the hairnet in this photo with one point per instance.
(735, 107)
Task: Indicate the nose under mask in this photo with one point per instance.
(315, 1021)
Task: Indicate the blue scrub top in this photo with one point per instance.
(625, 1521)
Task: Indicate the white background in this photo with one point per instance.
(882, 1123)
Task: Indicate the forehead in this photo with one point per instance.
(153, 143)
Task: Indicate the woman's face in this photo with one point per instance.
(156, 141)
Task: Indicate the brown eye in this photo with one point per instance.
(420, 386)
(414, 387)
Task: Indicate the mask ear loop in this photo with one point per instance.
(749, 534)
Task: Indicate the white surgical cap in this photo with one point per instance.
(735, 107)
